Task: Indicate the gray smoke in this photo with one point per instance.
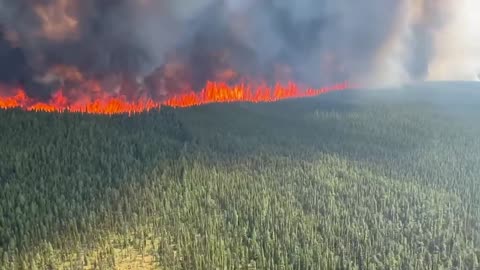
(320, 41)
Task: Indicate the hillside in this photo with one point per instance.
(371, 179)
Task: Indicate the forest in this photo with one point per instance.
(370, 179)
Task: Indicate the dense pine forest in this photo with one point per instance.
(364, 179)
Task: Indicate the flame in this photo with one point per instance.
(213, 92)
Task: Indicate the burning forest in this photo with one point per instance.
(212, 93)
(361, 179)
(135, 55)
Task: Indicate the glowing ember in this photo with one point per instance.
(213, 92)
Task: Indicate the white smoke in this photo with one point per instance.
(457, 45)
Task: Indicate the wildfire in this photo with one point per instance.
(213, 92)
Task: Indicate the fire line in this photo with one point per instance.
(213, 92)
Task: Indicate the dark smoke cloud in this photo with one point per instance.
(14, 67)
(166, 43)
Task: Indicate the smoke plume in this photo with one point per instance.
(157, 47)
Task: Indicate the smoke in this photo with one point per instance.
(160, 46)
(457, 45)
(432, 40)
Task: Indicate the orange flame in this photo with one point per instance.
(214, 92)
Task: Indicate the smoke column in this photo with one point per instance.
(160, 47)
(457, 45)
